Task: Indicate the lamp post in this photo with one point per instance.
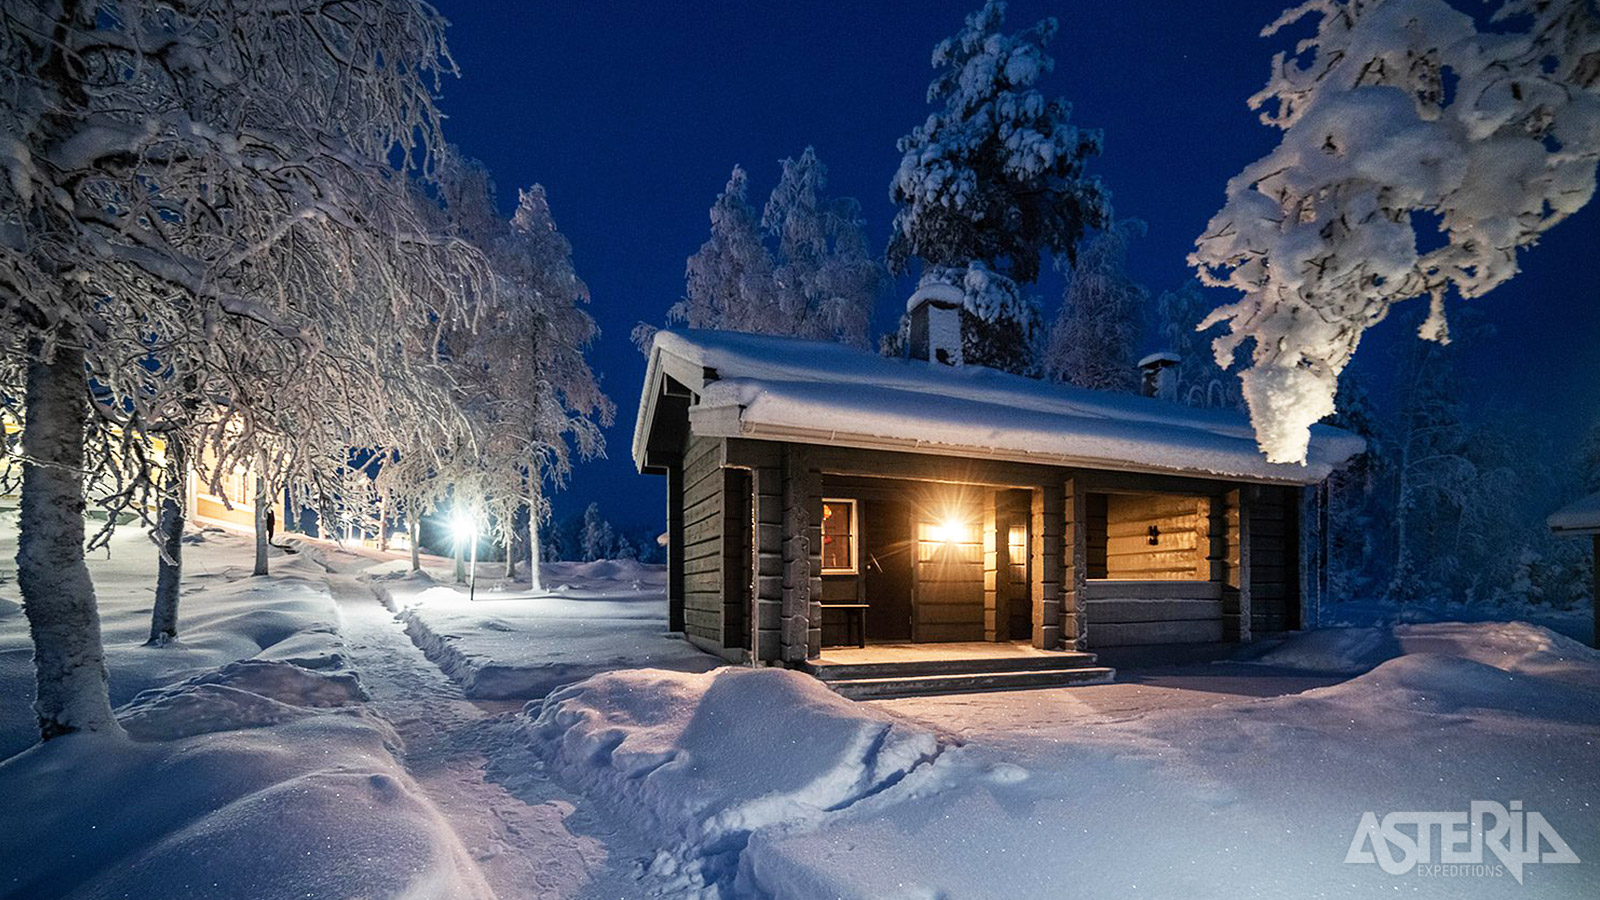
(467, 529)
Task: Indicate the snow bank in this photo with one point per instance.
(1513, 646)
(225, 615)
(705, 760)
(514, 644)
(251, 766)
(1253, 798)
(309, 805)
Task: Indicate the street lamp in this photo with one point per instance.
(466, 529)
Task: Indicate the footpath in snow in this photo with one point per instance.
(511, 643)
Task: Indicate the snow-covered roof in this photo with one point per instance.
(790, 389)
(1582, 517)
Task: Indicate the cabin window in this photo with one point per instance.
(840, 537)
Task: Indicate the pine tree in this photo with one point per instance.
(1095, 338)
(598, 539)
(994, 178)
(1357, 523)
(803, 268)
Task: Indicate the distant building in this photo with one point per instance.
(1582, 519)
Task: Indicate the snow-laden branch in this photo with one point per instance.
(1420, 154)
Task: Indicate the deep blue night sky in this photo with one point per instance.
(632, 115)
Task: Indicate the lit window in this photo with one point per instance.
(839, 537)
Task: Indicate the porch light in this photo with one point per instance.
(950, 531)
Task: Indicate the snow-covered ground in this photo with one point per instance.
(298, 742)
(1206, 780)
(513, 643)
(251, 767)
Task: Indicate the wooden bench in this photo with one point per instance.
(854, 614)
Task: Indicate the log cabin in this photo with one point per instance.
(908, 525)
(1582, 520)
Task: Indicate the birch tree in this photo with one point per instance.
(1095, 339)
(185, 182)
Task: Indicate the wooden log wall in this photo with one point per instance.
(704, 514)
(1274, 559)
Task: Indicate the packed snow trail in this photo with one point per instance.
(526, 849)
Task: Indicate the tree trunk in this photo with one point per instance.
(57, 595)
(511, 554)
(383, 523)
(263, 505)
(413, 522)
(164, 615)
(535, 578)
(461, 560)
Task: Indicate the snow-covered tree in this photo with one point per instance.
(1095, 339)
(825, 279)
(1456, 493)
(531, 403)
(215, 191)
(802, 268)
(1421, 151)
(995, 176)
(729, 279)
(598, 540)
(1358, 511)
(1201, 381)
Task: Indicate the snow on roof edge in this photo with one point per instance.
(782, 386)
(1582, 517)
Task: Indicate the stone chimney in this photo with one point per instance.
(1159, 375)
(935, 310)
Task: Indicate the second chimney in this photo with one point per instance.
(1159, 375)
(935, 309)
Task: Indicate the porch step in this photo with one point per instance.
(832, 672)
(886, 687)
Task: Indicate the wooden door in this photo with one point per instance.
(887, 560)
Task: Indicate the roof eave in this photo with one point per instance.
(729, 422)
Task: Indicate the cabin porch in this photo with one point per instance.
(885, 670)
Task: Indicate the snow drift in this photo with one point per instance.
(1249, 798)
(259, 779)
(705, 760)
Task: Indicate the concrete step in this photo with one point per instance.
(923, 685)
(831, 672)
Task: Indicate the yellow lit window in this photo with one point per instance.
(839, 536)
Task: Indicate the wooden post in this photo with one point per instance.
(1057, 615)
(995, 550)
(800, 633)
(675, 595)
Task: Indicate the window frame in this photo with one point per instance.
(855, 536)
